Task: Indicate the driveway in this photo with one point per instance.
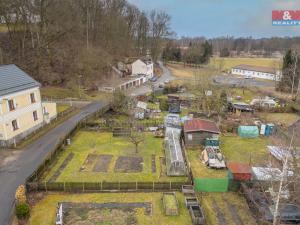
(149, 86)
(14, 172)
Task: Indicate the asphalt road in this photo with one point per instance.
(14, 173)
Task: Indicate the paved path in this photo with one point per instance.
(14, 173)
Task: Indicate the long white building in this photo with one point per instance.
(262, 72)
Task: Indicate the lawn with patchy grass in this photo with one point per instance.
(86, 144)
(62, 107)
(229, 206)
(184, 72)
(199, 169)
(245, 150)
(228, 63)
(286, 119)
(246, 94)
(43, 213)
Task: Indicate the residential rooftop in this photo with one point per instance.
(13, 79)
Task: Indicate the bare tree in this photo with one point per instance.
(136, 137)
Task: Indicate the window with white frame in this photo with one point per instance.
(15, 125)
(35, 115)
(11, 105)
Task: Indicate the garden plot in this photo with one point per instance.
(226, 209)
(108, 208)
(101, 157)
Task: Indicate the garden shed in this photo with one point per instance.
(174, 157)
(248, 131)
(196, 131)
(239, 171)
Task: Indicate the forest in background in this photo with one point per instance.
(59, 42)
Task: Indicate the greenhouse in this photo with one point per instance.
(174, 159)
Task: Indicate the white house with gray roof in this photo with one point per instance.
(21, 108)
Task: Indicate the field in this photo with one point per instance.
(182, 72)
(245, 150)
(285, 119)
(226, 208)
(94, 157)
(228, 63)
(43, 213)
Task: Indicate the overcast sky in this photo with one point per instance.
(212, 18)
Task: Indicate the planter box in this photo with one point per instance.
(170, 204)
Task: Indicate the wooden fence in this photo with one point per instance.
(104, 186)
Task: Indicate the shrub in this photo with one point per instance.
(22, 210)
(163, 104)
(20, 194)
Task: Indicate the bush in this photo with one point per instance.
(22, 210)
(163, 104)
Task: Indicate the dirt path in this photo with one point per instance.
(220, 215)
(62, 167)
(153, 164)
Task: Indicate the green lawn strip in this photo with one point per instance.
(34, 136)
(44, 211)
(287, 119)
(244, 150)
(170, 201)
(200, 170)
(62, 107)
(84, 143)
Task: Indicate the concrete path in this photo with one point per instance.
(15, 172)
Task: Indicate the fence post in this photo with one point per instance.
(64, 186)
(170, 185)
(153, 185)
(45, 186)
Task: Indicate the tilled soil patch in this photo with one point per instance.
(102, 163)
(234, 213)
(126, 164)
(62, 167)
(88, 163)
(220, 215)
(153, 164)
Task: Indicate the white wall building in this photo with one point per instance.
(140, 67)
(256, 72)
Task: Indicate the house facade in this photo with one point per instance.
(145, 68)
(21, 108)
(261, 72)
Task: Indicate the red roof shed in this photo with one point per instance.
(240, 172)
(201, 125)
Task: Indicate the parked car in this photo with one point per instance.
(161, 85)
(154, 79)
(167, 81)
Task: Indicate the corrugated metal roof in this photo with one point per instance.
(256, 68)
(201, 125)
(13, 79)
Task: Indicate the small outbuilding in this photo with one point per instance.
(196, 131)
(248, 131)
(239, 171)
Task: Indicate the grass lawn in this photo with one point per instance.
(43, 213)
(237, 203)
(85, 143)
(190, 73)
(246, 94)
(200, 170)
(286, 119)
(228, 63)
(62, 107)
(243, 150)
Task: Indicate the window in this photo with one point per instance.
(35, 116)
(32, 98)
(190, 137)
(14, 124)
(11, 105)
